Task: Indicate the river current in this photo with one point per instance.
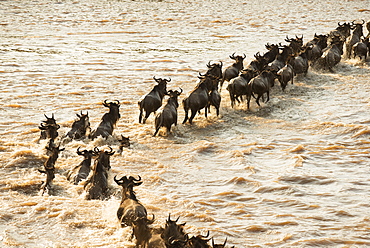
(291, 173)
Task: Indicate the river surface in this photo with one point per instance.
(292, 173)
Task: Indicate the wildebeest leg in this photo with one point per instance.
(140, 115)
(186, 116)
(156, 131)
(268, 96)
(257, 100)
(146, 116)
(193, 113)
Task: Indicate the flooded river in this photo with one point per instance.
(291, 173)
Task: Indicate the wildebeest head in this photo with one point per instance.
(295, 44)
(207, 80)
(86, 153)
(128, 182)
(358, 27)
(142, 231)
(215, 69)
(124, 142)
(173, 232)
(238, 59)
(162, 81)
(219, 245)
(113, 110)
(103, 161)
(80, 126)
(200, 241)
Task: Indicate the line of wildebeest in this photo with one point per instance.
(280, 62)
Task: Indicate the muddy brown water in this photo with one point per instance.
(292, 173)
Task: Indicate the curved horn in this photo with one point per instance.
(168, 80)
(57, 126)
(209, 64)
(363, 22)
(79, 152)
(232, 56)
(111, 151)
(152, 220)
(206, 235)
(117, 181)
(244, 56)
(225, 242)
(180, 91)
(134, 179)
(221, 63)
(105, 103)
(96, 149)
(156, 79)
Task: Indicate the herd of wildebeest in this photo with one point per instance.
(280, 62)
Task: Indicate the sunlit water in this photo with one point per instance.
(292, 173)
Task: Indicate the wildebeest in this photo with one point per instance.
(319, 43)
(124, 142)
(199, 97)
(47, 128)
(343, 31)
(173, 234)
(131, 212)
(300, 63)
(354, 38)
(273, 51)
(296, 44)
(238, 86)
(214, 100)
(109, 120)
(233, 70)
(80, 127)
(153, 100)
(281, 59)
(285, 75)
(332, 54)
(261, 84)
(49, 166)
(361, 49)
(81, 171)
(215, 70)
(168, 116)
(96, 185)
(259, 63)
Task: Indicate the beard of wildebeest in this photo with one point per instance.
(109, 120)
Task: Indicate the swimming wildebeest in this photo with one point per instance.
(342, 30)
(281, 59)
(285, 75)
(109, 120)
(80, 127)
(233, 70)
(49, 166)
(131, 212)
(124, 142)
(173, 234)
(354, 38)
(296, 44)
(260, 62)
(332, 54)
(199, 97)
(214, 100)
(96, 185)
(168, 116)
(319, 43)
(81, 171)
(300, 63)
(238, 86)
(153, 100)
(48, 128)
(215, 70)
(261, 84)
(361, 49)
